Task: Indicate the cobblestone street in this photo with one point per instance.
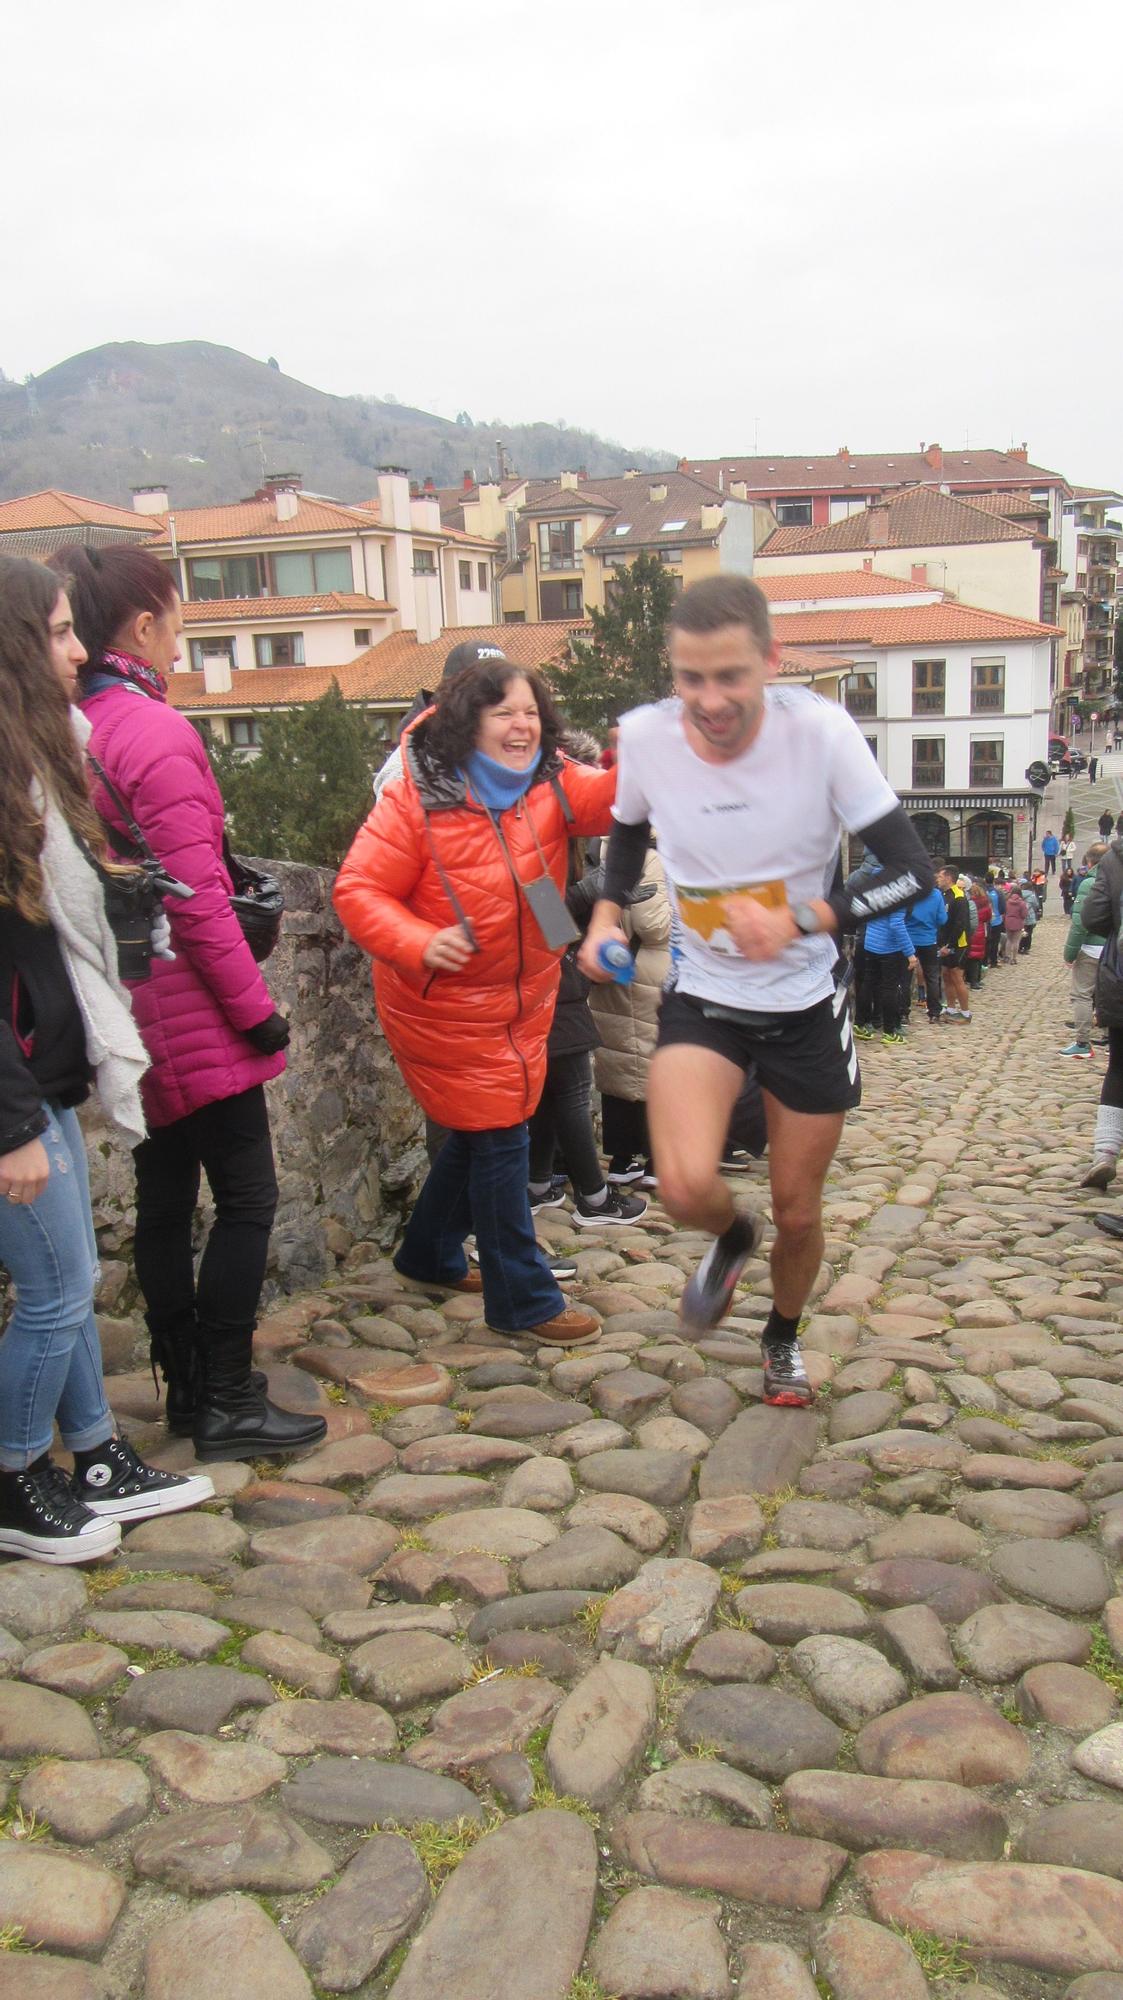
(551, 1677)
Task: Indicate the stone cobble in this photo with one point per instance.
(560, 1676)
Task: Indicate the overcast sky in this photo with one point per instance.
(701, 225)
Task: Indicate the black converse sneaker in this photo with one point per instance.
(616, 1208)
(117, 1485)
(708, 1295)
(785, 1378)
(40, 1517)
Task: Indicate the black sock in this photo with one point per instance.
(734, 1241)
(777, 1328)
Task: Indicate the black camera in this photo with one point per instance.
(132, 901)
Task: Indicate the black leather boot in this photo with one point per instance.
(175, 1351)
(233, 1418)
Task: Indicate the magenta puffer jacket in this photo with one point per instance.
(191, 1014)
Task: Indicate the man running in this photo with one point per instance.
(746, 785)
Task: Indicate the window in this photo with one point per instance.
(871, 746)
(793, 513)
(986, 761)
(312, 572)
(562, 600)
(361, 635)
(861, 693)
(465, 576)
(672, 527)
(559, 544)
(988, 686)
(227, 576)
(279, 649)
(928, 688)
(211, 649)
(481, 574)
(514, 618)
(424, 562)
(928, 762)
(245, 732)
(843, 505)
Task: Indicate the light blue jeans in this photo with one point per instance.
(50, 1358)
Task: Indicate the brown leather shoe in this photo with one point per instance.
(470, 1282)
(571, 1328)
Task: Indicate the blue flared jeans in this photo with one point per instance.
(479, 1182)
(50, 1357)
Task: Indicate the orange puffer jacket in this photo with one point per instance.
(472, 1044)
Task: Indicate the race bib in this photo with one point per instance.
(702, 911)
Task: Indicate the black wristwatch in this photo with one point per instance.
(806, 919)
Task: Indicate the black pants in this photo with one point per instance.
(230, 1143)
(563, 1123)
(1026, 945)
(994, 936)
(1111, 1091)
(973, 973)
(880, 992)
(1050, 864)
(624, 1127)
(928, 959)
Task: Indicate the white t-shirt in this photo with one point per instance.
(766, 824)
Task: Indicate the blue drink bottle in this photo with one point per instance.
(616, 959)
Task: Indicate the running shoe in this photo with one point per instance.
(863, 1034)
(554, 1197)
(622, 1172)
(708, 1295)
(616, 1208)
(736, 1161)
(1080, 1051)
(1101, 1173)
(785, 1378)
(892, 1041)
(41, 1517)
(119, 1486)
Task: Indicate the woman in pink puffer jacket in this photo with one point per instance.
(206, 1018)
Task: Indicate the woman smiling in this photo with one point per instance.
(454, 888)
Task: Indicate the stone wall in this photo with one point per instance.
(347, 1135)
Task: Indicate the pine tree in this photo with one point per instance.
(625, 662)
(305, 795)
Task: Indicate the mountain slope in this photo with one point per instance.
(207, 422)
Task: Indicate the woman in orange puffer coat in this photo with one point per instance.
(441, 887)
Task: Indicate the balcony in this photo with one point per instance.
(988, 701)
(568, 560)
(861, 701)
(928, 702)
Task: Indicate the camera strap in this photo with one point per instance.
(139, 841)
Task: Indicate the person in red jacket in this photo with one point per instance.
(454, 886)
(210, 1028)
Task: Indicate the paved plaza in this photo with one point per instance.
(551, 1677)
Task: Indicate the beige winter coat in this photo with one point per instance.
(627, 1016)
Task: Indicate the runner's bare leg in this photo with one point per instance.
(690, 1097)
(801, 1146)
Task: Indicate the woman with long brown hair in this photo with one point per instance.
(207, 1020)
(64, 1024)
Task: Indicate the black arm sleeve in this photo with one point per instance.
(627, 852)
(906, 872)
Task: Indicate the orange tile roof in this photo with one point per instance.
(946, 624)
(54, 509)
(256, 520)
(243, 610)
(871, 471)
(393, 670)
(835, 583)
(1015, 506)
(916, 517)
(795, 660)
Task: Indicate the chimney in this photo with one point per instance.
(934, 457)
(467, 482)
(217, 676)
(919, 575)
(713, 514)
(428, 487)
(738, 489)
(867, 565)
(632, 472)
(582, 475)
(657, 492)
(414, 490)
(150, 499)
(879, 527)
(1019, 451)
(844, 450)
(286, 502)
(568, 482)
(393, 496)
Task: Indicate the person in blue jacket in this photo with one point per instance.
(888, 950)
(923, 925)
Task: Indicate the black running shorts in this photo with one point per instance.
(807, 1061)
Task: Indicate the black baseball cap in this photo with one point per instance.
(473, 653)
